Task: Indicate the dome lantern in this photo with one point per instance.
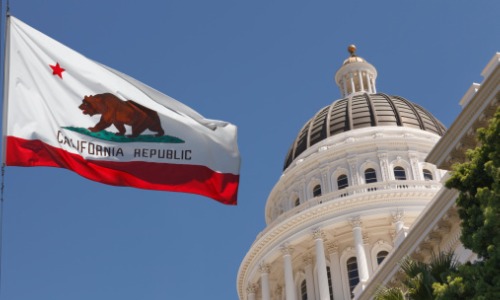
(356, 75)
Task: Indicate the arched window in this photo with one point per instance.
(317, 191)
(303, 290)
(381, 256)
(427, 175)
(399, 173)
(370, 175)
(330, 288)
(352, 273)
(342, 182)
(297, 202)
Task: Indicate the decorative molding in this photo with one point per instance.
(355, 221)
(333, 247)
(264, 268)
(307, 259)
(251, 289)
(286, 250)
(366, 239)
(318, 234)
(285, 224)
(398, 215)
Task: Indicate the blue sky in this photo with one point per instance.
(265, 66)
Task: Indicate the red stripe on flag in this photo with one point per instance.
(145, 175)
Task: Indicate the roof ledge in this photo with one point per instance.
(469, 94)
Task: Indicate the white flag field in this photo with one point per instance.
(64, 110)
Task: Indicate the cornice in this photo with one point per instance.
(488, 95)
(436, 211)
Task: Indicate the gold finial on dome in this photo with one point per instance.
(352, 49)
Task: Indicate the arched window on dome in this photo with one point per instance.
(381, 256)
(371, 177)
(297, 202)
(317, 190)
(342, 183)
(303, 290)
(330, 287)
(399, 173)
(352, 273)
(427, 175)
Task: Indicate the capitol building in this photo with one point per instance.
(362, 188)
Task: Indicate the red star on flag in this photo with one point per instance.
(57, 70)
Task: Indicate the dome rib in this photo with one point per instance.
(412, 107)
(373, 111)
(359, 111)
(394, 108)
(349, 114)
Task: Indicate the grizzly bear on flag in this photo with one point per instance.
(119, 113)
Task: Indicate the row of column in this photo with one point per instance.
(350, 81)
(323, 291)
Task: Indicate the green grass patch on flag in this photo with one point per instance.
(111, 136)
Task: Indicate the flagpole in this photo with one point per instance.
(4, 124)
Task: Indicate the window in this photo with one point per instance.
(370, 175)
(342, 182)
(303, 290)
(330, 288)
(317, 191)
(427, 175)
(399, 173)
(381, 256)
(352, 273)
(297, 202)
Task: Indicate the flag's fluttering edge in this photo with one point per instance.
(64, 110)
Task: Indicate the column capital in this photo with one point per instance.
(251, 288)
(397, 215)
(264, 268)
(286, 250)
(318, 234)
(355, 221)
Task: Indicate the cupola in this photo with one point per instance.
(356, 75)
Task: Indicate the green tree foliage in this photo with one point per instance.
(478, 183)
(419, 278)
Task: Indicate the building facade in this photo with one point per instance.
(437, 229)
(355, 182)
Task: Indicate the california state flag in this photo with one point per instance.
(64, 110)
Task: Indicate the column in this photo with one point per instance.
(398, 220)
(288, 268)
(384, 166)
(309, 276)
(264, 281)
(344, 87)
(360, 249)
(326, 183)
(373, 85)
(351, 78)
(370, 89)
(337, 284)
(353, 165)
(415, 168)
(366, 245)
(319, 236)
(360, 78)
(399, 224)
(251, 292)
